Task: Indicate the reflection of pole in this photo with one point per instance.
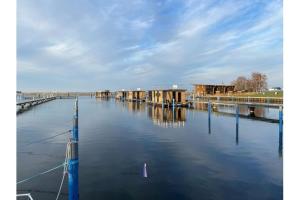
(73, 159)
(237, 124)
(209, 111)
(280, 130)
(173, 103)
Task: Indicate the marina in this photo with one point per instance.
(188, 152)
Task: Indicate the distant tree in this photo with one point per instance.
(258, 81)
(241, 83)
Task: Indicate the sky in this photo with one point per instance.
(89, 45)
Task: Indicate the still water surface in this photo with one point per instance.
(184, 161)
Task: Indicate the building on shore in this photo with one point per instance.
(203, 89)
(166, 96)
(103, 94)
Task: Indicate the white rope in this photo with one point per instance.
(65, 170)
(25, 195)
(42, 173)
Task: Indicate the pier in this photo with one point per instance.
(28, 104)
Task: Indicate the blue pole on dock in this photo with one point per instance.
(209, 111)
(280, 120)
(237, 124)
(73, 159)
(280, 130)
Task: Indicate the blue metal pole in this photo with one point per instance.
(209, 111)
(237, 124)
(73, 159)
(280, 120)
(280, 130)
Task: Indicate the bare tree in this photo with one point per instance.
(240, 83)
(259, 81)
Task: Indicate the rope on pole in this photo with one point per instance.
(48, 138)
(25, 195)
(65, 170)
(41, 173)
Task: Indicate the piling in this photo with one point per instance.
(209, 112)
(237, 112)
(73, 159)
(280, 120)
(280, 131)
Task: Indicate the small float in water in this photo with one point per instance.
(145, 171)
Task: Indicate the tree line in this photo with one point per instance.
(256, 83)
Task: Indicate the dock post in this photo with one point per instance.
(237, 124)
(280, 120)
(209, 111)
(280, 131)
(73, 159)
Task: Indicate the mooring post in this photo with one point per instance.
(237, 112)
(73, 158)
(280, 130)
(209, 111)
(280, 120)
(162, 104)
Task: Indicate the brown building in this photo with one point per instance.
(137, 95)
(166, 97)
(203, 90)
(103, 94)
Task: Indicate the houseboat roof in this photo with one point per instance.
(169, 89)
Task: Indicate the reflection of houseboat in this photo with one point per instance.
(103, 94)
(167, 97)
(167, 117)
(136, 107)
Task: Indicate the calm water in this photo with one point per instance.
(184, 161)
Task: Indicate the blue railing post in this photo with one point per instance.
(280, 130)
(237, 124)
(209, 111)
(280, 120)
(73, 159)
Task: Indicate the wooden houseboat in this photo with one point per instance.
(165, 97)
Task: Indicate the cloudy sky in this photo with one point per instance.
(88, 45)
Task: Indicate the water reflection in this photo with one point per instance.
(166, 117)
(136, 106)
(262, 112)
(237, 134)
(280, 145)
